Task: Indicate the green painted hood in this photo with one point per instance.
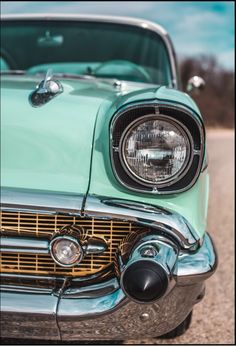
(49, 147)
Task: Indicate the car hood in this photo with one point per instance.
(49, 148)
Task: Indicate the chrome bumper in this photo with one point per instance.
(92, 314)
(131, 320)
(96, 307)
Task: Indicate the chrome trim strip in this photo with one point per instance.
(22, 279)
(141, 23)
(201, 265)
(204, 167)
(156, 104)
(75, 287)
(26, 277)
(92, 291)
(44, 202)
(96, 287)
(29, 315)
(24, 289)
(205, 163)
(147, 215)
(24, 245)
(44, 304)
(32, 245)
(86, 308)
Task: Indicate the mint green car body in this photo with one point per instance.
(61, 150)
(64, 146)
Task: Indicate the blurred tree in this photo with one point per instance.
(216, 101)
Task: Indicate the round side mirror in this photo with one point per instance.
(195, 84)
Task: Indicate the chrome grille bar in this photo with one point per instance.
(24, 245)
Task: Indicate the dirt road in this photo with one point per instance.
(213, 318)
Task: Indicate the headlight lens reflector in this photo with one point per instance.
(155, 150)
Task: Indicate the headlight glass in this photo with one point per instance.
(155, 150)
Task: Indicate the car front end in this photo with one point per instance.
(104, 202)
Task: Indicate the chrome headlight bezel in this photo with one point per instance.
(183, 130)
(189, 121)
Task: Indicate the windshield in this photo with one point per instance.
(105, 50)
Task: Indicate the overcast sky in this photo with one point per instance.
(195, 27)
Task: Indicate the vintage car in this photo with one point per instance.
(104, 181)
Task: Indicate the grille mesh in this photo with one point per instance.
(44, 225)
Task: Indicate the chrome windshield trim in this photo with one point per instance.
(141, 23)
(44, 202)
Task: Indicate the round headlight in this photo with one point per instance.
(66, 251)
(155, 150)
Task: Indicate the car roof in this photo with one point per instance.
(81, 17)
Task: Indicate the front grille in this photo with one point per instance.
(44, 225)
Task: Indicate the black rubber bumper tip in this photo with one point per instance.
(145, 281)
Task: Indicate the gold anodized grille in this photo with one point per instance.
(44, 225)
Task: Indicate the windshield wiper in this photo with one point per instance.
(57, 74)
(13, 72)
(74, 75)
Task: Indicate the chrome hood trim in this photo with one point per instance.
(163, 220)
(147, 215)
(45, 202)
